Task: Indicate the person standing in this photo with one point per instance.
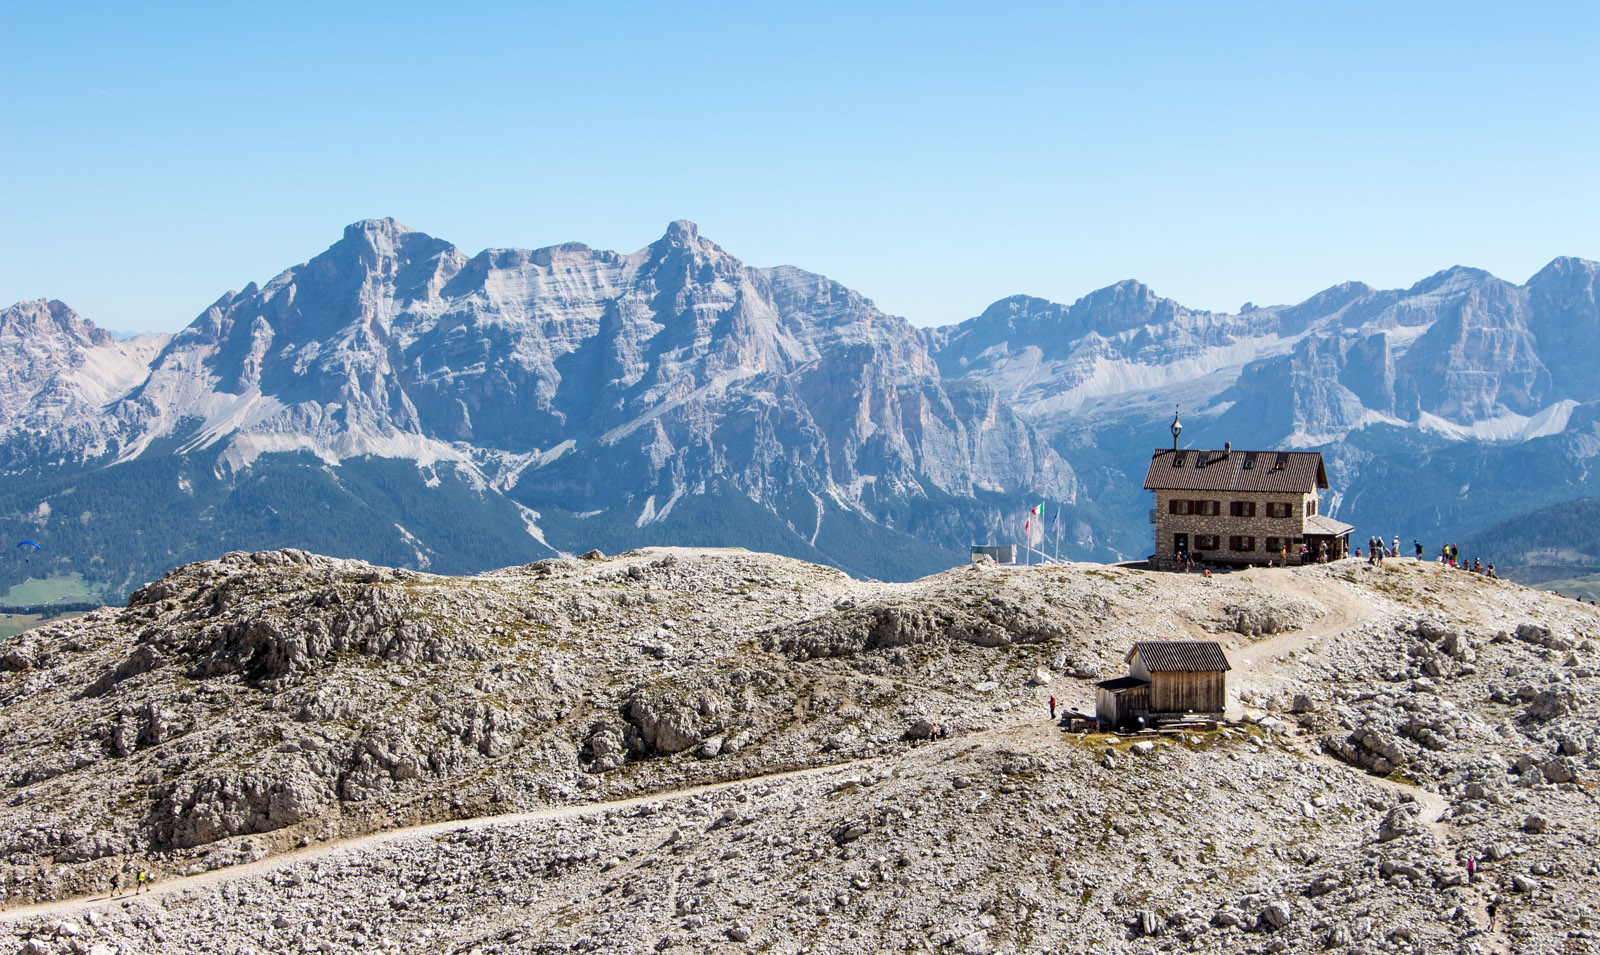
(1052, 707)
(1418, 545)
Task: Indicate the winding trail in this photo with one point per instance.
(1264, 666)
(172, 885)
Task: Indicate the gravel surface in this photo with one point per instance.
(719, 750)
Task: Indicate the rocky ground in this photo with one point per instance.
(713, 749)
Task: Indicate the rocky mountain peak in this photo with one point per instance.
(683, 239)
(374, 230)
(50, 317)
(682, 232)
(1567, 270)
(1453, 279)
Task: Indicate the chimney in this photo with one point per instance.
(1227, 448)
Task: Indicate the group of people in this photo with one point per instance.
(141, 880)
(1449, 555)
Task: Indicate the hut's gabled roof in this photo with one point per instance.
(1120, 683)
(1288, 472)
(1180, 656)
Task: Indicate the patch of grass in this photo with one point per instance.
(1401, 776)
(57, 587)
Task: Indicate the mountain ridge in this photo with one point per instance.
(579, 381)
(566, 382)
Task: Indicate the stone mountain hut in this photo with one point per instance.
(1240, 507)
(1167, 680)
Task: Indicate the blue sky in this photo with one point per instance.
(934, 157)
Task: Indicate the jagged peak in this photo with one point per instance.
(682, 232)
(387, 227)
(1455, 277)
(54, 312)
(1014, 305)
(683, 238)
(1565, 265)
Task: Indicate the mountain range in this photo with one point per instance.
(396, 399)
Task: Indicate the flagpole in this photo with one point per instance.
(1058, 532)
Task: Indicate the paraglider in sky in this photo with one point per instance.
(24, 545)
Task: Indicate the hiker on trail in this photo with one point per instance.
(1052, 707)
(139, 882)
(116, 883)
(1418, 545)
(1472, 871)
(1491, 908)
(1283, 556)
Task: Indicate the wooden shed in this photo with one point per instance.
(1167, 679)
(1120, 702)
(1185, 676)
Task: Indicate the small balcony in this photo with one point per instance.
(1152, 515)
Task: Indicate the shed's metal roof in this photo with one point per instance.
(1180, 656)
(1288, 472)
(1321, 524)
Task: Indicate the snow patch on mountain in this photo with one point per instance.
(1506, 427)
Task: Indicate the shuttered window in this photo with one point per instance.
(1207, 542)
(1242, 543)
(1277, 510)
(1242, 508)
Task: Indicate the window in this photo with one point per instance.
(1207, 542)
(1208, 508)
(1176, 506)
(1276, 509)
(1311, 507)
(1177, 460)
(1241, 508)
(1276, 544)
(1242, 543)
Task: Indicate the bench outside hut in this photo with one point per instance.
(1167, 680)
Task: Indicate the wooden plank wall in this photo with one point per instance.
(1181, 692)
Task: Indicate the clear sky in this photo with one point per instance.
(934, 157)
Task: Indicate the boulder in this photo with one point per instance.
(1277, 915)
(1400, 822)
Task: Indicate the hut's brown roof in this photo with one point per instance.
(1290, 472)
(1180, 656)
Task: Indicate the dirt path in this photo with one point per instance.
(175, 884)
(1263, 667)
